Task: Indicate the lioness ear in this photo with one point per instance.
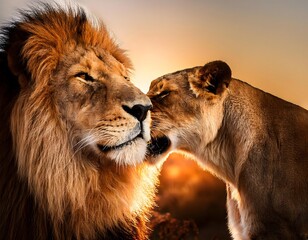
(212, 79)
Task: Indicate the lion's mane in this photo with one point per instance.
(47, 192)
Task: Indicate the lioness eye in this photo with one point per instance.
(84, 76)
(161, 95)
(164, 94)
(126, 78)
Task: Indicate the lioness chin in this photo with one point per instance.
(256, 142)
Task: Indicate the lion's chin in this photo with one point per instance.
(130, 154)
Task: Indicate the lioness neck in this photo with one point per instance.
(239, 122)
(221, 132)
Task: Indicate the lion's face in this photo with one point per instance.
(186, 105)
(106, 115)
(78, 71)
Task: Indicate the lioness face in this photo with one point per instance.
(186, 105)
(105, 113)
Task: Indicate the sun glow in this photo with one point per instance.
(173, 172)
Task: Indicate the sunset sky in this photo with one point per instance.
(265, 42)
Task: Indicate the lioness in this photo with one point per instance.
(256, 142)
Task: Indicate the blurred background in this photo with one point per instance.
(264, 42)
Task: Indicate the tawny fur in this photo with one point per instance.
(54, 182)
(255, 142)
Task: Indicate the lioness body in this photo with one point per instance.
(256, 142)
(74, 132)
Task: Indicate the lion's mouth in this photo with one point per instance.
(105, 148)
(158, 145)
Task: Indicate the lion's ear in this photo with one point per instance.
(212, 79)
(14, 59)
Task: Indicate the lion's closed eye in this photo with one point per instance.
(83, 76)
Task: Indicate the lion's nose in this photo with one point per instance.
(138, 111)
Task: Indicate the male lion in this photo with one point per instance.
(74, 132)
(255, 142)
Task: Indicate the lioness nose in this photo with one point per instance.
(138, 111)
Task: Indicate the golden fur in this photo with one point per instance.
(255, 142)
(74, 132)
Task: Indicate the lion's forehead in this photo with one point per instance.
(98, 62)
